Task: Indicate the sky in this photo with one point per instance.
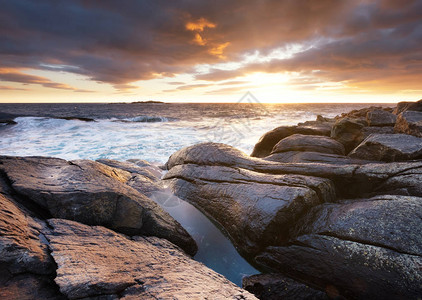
(210, 51)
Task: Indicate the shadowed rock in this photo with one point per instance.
(389, 147)
(348, 131)
(270, 139)
(275, 286)
(386, 221)
(26, 267)
(92, 193)
(313, 143)
(409, 122)
(408, 106)
(350, 268)
(115, 266)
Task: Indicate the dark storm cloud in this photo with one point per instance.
(120, 42)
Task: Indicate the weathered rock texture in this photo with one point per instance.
(256, 209)
(311, 143)
(347, 227)
(43, 258)
(94, 194)
(389, 147)
(270, 139)
(409, 122)
(115, 266)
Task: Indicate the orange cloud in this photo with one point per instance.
(218, 50)
(199, 40)
(199, 25)
(15, 75)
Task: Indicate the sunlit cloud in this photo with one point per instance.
(15, 75)
(199, 25)
(288, 48)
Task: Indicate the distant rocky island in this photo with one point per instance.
(148, 102)
(326, 209)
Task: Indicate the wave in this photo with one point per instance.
(145, 119)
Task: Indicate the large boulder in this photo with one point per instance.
(255, 209)
(266, 143)
(363, 248)
(94, 194)
(385, 220)
(388, 147)
(313, 143)
(352, 269)
(409, 122)
(364, 178)
(99, 263)
(380, 117)
(348, 131)
(408, 106)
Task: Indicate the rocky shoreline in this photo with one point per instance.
(327, 209)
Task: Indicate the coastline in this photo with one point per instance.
(326, 208)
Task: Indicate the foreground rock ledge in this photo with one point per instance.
(43, 258)
(95, 261)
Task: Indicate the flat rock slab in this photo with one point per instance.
(409, 122)
(313, 143)
(92, 193)
(97, 262)
(389, 147)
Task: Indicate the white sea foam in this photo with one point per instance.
(149, 137)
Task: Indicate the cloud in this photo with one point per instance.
(119, 44)
(11, 88)
(12, 75)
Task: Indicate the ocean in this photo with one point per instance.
(153, 131)
(149, 131)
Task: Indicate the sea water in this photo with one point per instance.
(148, 131)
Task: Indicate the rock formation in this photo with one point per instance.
(52, 247)
(322, 217)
